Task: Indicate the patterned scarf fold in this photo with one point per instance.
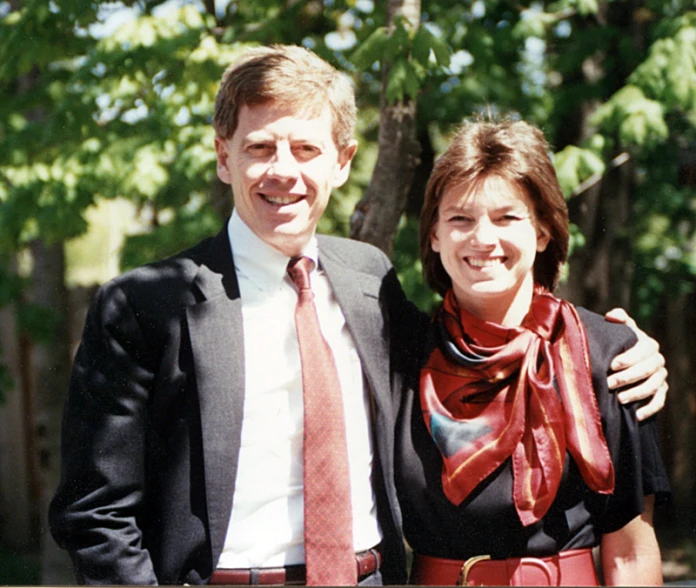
(490, 395)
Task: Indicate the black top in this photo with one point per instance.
(486, 523)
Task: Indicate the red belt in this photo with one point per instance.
(569, 568)
(368, 562)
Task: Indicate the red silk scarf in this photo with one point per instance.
(489, 394)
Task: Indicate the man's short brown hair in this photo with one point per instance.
(291, 77)
(517, 152)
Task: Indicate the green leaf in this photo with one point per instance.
(441, 50)
(396, 80)
(411, 82)
(574, 165)
(635, 119)
(532, 24)
(586, 7)
(669, 72)
(420, 48)
(371, 49)
(398, 43)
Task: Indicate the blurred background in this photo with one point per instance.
(107, 162)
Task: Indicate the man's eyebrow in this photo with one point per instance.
(302, 138)
(256, 137)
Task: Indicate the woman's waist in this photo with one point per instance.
(568, 568)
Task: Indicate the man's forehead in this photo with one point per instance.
(295, 109)
(269, 117)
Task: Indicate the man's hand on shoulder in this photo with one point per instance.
(642, 367)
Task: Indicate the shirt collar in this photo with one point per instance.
(257, 260)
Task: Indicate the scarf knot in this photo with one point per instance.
(490, 393)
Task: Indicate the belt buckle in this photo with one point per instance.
(463, 579)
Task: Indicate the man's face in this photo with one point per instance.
(282, 167)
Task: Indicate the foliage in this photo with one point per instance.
(574, 165)
(412, 57)
(93, 111)
(654, 117)
(19, 569)
(409, 268)
(125, 113)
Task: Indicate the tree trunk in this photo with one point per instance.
(600, 273)
(51, 362)
(416, 194)
(676, 327)
(377, 215)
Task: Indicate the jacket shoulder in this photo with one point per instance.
(354, 254)
(164, 277)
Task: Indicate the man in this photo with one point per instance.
(183, 431)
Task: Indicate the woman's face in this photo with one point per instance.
(487, 240)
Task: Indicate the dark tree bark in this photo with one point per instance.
(600, 273)
(676, 327)
(421, 173)
(377, 215)
(51, 366)
(45, 374)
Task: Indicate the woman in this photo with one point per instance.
(514, 460)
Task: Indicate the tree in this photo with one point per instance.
(625, 122)
(124, 113)
(377, 214)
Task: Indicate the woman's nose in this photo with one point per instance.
(483, 233)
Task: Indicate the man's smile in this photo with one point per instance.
(281, 198)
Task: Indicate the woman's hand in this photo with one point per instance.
(641, 367)
(631, 555)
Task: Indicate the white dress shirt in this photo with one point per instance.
(266, 524)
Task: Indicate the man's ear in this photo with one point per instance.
(343, 165)
(223, 168)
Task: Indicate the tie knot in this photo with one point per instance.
(298, 269)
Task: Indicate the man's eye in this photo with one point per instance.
(259, 148)
(307, 150)
(460, 218)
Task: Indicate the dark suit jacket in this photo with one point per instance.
(152, 421)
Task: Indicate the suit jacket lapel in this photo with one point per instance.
(215, 326)
(358, 295)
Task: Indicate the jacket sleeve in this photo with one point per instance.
(96, 511)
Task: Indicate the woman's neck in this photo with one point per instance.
(507, 310)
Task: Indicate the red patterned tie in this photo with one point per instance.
(328, 521)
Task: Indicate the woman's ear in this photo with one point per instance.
(434, 241)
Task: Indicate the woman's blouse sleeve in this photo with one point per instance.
(634, 448)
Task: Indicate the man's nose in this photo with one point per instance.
(283, 165)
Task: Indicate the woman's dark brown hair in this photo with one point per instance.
(516, 152)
